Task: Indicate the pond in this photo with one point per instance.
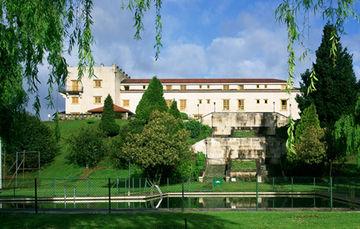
(233, 202)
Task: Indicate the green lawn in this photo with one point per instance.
(208, 220)
(243, 134)
(243, 165)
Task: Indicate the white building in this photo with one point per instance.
(194, 96)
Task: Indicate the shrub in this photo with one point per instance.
(87, 147)
(200, 164)
(108, 124)
(28, 133)
(197, 130)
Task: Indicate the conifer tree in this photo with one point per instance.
(108, 124)
(309, 142)
(336, 88)
(151, 100)
(174, 111)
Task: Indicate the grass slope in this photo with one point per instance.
(60, 168)
(261, 219)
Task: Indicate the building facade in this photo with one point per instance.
(197, 97)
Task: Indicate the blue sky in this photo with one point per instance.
(201, 38)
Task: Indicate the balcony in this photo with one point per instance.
(71, 90)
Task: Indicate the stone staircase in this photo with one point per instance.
(214, 171)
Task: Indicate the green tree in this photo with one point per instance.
(151, 100)
(347, 133)
(309, 142)
(28, 133)
(174, 111)
(336, 88)
(107, 123)
(161, 149)
(87, 147)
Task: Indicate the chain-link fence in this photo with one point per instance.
(213, 192)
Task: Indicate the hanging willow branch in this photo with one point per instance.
(36, 30)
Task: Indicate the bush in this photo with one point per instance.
(28, 133)
(200, 164)
(87, 147)
(197, 130)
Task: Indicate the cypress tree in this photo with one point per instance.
(336, 88)
(309, 145)
(108, 124)
(151, 100)
(174, 111)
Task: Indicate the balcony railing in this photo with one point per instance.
(72, 90)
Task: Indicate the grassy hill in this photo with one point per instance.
(61, 168)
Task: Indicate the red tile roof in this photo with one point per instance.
(116, 108)
(208, 80)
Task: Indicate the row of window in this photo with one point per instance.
(226, 87)
(182, 103)
(75, 84)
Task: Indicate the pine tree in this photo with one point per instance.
(336, 88)
(174, 111)
(108, 124)
(151, 100)
(309, 145)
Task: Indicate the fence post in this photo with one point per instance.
(109, 187)
(292, 184)
(36, 198)
(182, 196)
(314, 185)
(257, 192)
(273, 184)
(331, 193)
(167, 183)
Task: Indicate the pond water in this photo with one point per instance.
(308, 201)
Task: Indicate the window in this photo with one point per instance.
(126, 103)
(182, 104)
(265, 86)
(226, 104)
(283, 104)
(240, 87)
(200, 101)
(257, 86)
(182, 87)
(74, 100)
(200, 86)
(144, 87)
(208, 86)
(126, 87)
(75, 85)
(225, 87)
(168, 102)
(241, 104)
(97, 83)
(265, 101)
(208, 101)
(97, 99)
(168, 87)
(258, 101)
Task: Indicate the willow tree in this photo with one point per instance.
(347, 133)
